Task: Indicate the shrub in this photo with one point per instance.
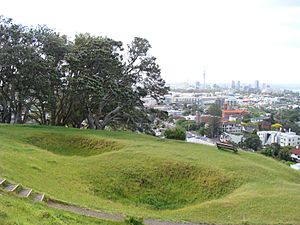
(131, 220)
(175, 133)
(268, 151)
(284, 154)
(251, 141)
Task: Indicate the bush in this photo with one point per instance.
(284, 154)
(268, 151)
(251, 141)
(175, 133)
(130, 220)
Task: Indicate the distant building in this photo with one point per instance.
(295, 154)
(204, 75)
(220, 102)
(227, 137)
(232, 84)
(256, 84)
(237, 113)
(230, 103)
(282, 138)
(175, 113)
(231, 127)
(238, 85)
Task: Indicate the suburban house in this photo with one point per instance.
(226, 137)
(231, 127)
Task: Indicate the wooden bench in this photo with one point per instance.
(221, 145)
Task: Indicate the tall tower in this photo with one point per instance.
(204, 87)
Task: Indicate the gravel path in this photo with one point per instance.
(101, 215)
(84, 211)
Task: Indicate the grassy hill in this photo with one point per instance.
(14, 210)
(128, 173)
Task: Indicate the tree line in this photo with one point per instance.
(49, 79)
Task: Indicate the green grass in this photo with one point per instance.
(135, 174)
(73, 145)
(14, 210)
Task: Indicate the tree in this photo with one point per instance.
(175, 133)
(16, 61)
(111, 88)
(251, 141)
(213, 128)
(214, 110)
(246, 118)
(284, 154)
(275, 149)
(51, 80)
(267, 151)
(202, 131)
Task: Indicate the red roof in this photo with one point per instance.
(235, 111)
(295, 151)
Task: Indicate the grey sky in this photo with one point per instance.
(233, 40)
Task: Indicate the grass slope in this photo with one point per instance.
(135, 174)
(14, 210)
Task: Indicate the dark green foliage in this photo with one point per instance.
(131, 220)
(246, 118)
(189, 125)
(284, 154)
(267, 151)
(213, 129)
(274, 150)
(176, 133)
(214, 110)
(48, 79)
(251, 141)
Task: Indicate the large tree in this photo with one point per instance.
(45, 77)
(19, 67)
(110, 83)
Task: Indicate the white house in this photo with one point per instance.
(231, 127)
(282, 138)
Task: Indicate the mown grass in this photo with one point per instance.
(14, 210)
(150, 177)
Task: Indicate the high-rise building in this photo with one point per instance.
(204, 80)
(198, 85)
(232, 84)
(238, 85)
(256, 84)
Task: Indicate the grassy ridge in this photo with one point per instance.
(151, 177)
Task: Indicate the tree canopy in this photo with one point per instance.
(49, 79)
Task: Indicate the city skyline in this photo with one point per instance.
(230, 40)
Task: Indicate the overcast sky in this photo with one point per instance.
(242, 40)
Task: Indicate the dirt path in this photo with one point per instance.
(101, 215)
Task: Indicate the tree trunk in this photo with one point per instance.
(91, 120)
(18, 114)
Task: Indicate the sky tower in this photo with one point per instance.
(204, 80)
